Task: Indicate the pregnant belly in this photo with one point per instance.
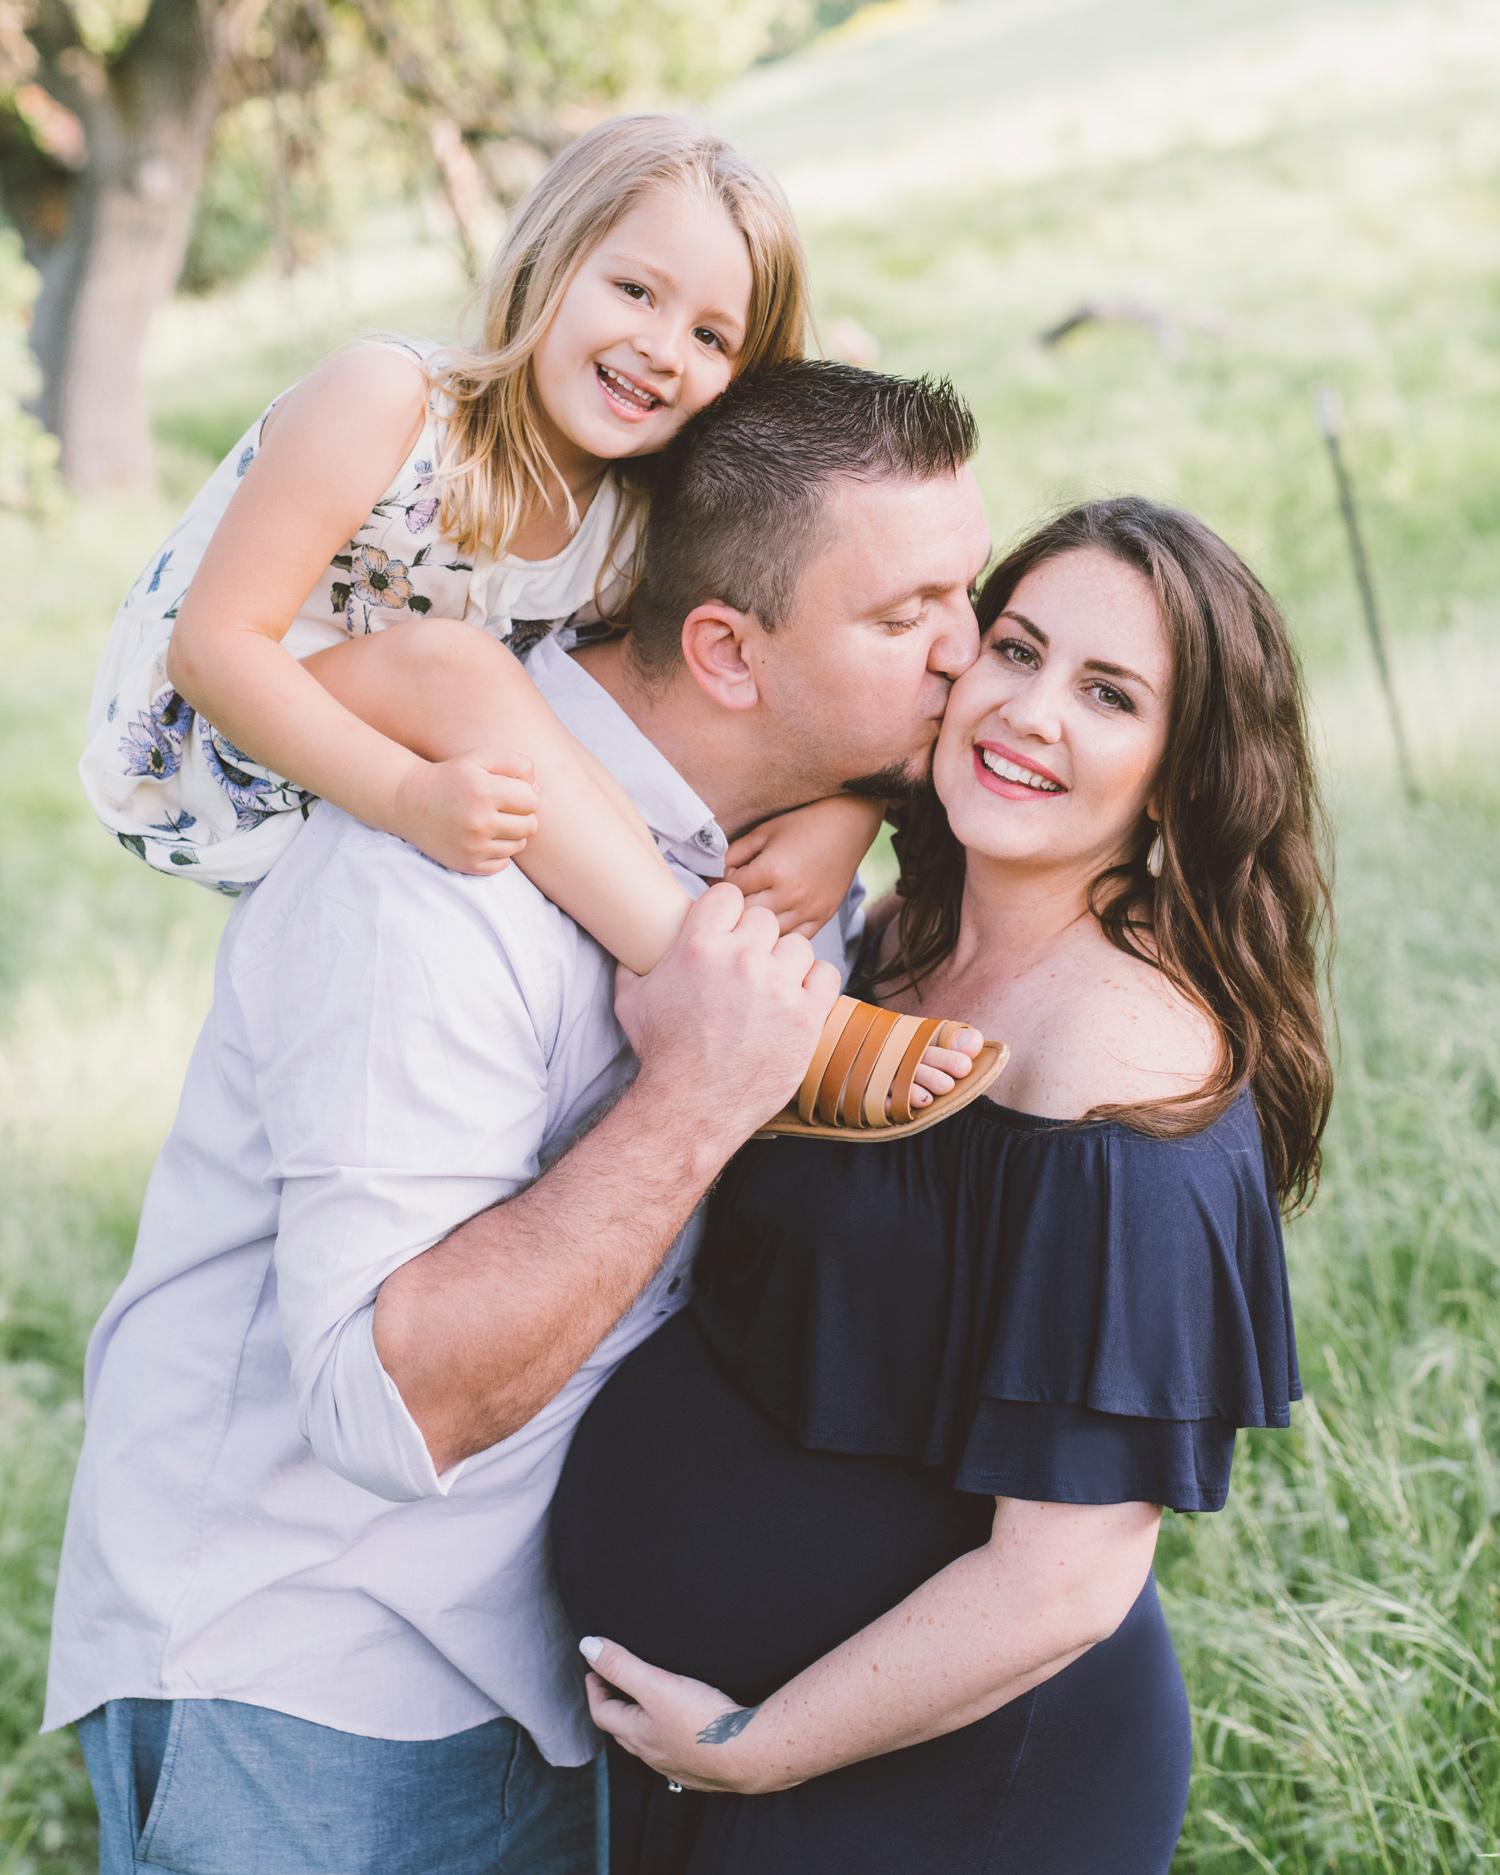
(707, 1541)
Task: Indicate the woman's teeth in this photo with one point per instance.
(1013, 771)
(626, 391)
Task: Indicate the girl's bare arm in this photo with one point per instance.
(329, 450)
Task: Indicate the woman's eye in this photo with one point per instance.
(705, 337)
(633, 288)
(1111, 698)
(1018, 652)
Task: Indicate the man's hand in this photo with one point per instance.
(486, 1327)
(727, 1022)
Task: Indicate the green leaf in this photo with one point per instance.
(180, 858)
(339, 597)
(345, 560)
(418, 603)
(135, 843)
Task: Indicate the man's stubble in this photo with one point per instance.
(908, 780)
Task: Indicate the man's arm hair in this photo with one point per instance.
(481, 1331)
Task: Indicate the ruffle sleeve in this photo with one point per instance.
(1070, 1313)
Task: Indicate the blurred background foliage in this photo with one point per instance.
(146, 143)
(1139, 234)
(28, 455)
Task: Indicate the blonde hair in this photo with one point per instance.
(494, 463)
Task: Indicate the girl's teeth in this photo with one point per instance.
(1012, 771)
(622, 387)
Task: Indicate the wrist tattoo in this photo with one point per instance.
(728, 1725)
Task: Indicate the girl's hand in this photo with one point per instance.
(472, 814)
(800, 865)
(691, 1733)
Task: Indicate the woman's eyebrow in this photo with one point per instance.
(1089, 664)
(1119, 670)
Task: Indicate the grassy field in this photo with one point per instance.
(1296, 194)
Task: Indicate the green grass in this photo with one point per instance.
(104, 975)
(1322, 179)
(1337, 1622)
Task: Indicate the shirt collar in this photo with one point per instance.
(680, 823)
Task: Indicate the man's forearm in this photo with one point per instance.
(481, 1331)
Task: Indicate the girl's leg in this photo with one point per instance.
(443, 689)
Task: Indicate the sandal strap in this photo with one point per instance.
(862, 1069)
(866, 1057)
(833, 1028)
(901, 1107)
(841, 1060)
(892, 1053)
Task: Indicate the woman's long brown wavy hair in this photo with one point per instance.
(1235, 920)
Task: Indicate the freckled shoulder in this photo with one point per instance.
(1115, 1031)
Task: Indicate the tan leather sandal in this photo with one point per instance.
(859, 1084)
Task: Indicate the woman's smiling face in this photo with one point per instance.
(1052, 741)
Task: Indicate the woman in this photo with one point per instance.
(893, 1480)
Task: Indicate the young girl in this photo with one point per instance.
(652, 263)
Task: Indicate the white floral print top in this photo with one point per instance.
(180, 795)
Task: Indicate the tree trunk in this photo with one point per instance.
(108, 237)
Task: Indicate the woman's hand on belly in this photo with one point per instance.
(690, 1732)
(1053, 1580)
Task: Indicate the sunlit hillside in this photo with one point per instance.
(1259, 197)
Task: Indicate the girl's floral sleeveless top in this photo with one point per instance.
(181, 796)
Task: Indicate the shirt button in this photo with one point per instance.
(705, 838)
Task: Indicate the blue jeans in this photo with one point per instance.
(212, 1787)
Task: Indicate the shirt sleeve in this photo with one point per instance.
(402, 1075)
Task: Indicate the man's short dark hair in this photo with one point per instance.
(740, 492)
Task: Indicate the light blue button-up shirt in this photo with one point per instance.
(392, 1048)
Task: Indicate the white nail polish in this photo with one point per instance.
(591, 1647)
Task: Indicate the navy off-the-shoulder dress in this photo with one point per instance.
(884, 1339)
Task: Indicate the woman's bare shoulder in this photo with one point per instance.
(1112, 1030)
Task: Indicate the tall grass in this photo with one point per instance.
(103, 979)
(1338, 1620)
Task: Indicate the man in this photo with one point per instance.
(385, 1261)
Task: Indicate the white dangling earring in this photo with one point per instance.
(1156, 858)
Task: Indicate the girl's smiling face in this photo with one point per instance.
(649, 331)
(1053, 740)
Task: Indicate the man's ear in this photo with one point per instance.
(714, 643)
